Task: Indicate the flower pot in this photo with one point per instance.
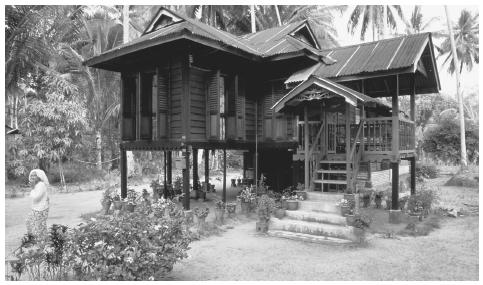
(402, 203)
(117, 205)
(201, 223)
(344, 210)
(253, 205)
(130, 207)
(212, 187)
(219, 216)
(388, 204)
(366, 201)
(231, 208)
(360, 235)
(378, 201)
(233, 183)
(284, 204)
(245, 207)
(280, 213)
(239, 182)
(292, 205)
(106, 206)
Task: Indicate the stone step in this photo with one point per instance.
(308, 238)
(312, 228)
(319, 206)
(320, 181)
(321, 196)
(328, 218)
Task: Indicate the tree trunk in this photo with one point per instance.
(384, 21)
(278, 15)
(99, 149)
(125, 23)
(464, 162)
(62, 178)
(252, 17)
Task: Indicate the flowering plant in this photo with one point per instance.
(362, 222)
(131, 196)
(201, 213)
(106, 196)
(246, 195)
(220, 205)
(343, 203)
(116, 195)
(293, 197)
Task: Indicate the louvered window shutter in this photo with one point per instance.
(163, 100)
(240, 109)
(213, 104)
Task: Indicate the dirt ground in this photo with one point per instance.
(448, 253)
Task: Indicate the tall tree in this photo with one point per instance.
(373, 16)
(467, 46)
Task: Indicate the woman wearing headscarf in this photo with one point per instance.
(37, 219)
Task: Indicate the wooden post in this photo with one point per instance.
(165, 176)
(138, 107)
(395, 147)
(169, 161)
(413, 175)
(306, 147)
(224, 176)
(348, 148)
(123, 165)
(186, 180)
(195, 173)
(207, 169)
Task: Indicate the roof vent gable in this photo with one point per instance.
(162, 19)
(304, 34)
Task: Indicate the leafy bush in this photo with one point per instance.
(143, 245)
(426, 171)
(266, 206)
(423, 200)
(467, 178)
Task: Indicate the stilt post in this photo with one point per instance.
(207, 169)
(224, 176)
(306, 147)
(186, 180)
(169, 161)
(413, 175)
(123, 165)
(395, 147)
(195, 173)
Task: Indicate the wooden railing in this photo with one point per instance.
(315, 155)
(378, 135)
(355, 157)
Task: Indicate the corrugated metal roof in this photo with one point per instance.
(396, 53)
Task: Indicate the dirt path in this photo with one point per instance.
(450, 253)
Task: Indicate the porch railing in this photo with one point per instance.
(315, 155)
(378, 135)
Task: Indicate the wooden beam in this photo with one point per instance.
(138, 107)
(306, 146)
(224, 176)
(169, 161)
(195, 173)
(186, 180)
(348, 146)
(123, 166)
(207, 169)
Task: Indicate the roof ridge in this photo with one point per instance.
(245, 36)
(375, 42)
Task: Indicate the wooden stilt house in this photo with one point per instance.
(189, 86)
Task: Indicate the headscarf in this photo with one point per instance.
(40, 174)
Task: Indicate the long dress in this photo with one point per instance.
(37, 218)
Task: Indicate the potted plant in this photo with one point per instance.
(388, 203)
(279, 212)
(293, 202)
(402, 202)
(361, 223)
(157, 189)
(366, 199)
(219, 212)
(266, 206)
(239, 182)
(301, 191)
(246, 197)
(145, 198)
(130, 202)
(231, 208)
(345, 207)
(378, 199)
(106, 201)
(116, 200)
(201, 215)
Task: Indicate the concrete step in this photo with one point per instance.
(332, 171)
(319, 206)
(308, 238)
(312, 228)
(328, 218)
(320, 181)
(321, 196)
(335, 161)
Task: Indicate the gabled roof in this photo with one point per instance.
(264, 44)
(385, 55)
(351, 96)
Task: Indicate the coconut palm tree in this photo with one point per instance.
(375, 17)
(416, 24)
(464, 44)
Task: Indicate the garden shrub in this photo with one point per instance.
(467, 178)
(423, 200)
(143, 245)
(426, 171)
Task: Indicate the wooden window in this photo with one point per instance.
(129, 84)
(147, 85)
(213, 105)
(162, 125)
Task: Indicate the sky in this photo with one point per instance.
(469, 80)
